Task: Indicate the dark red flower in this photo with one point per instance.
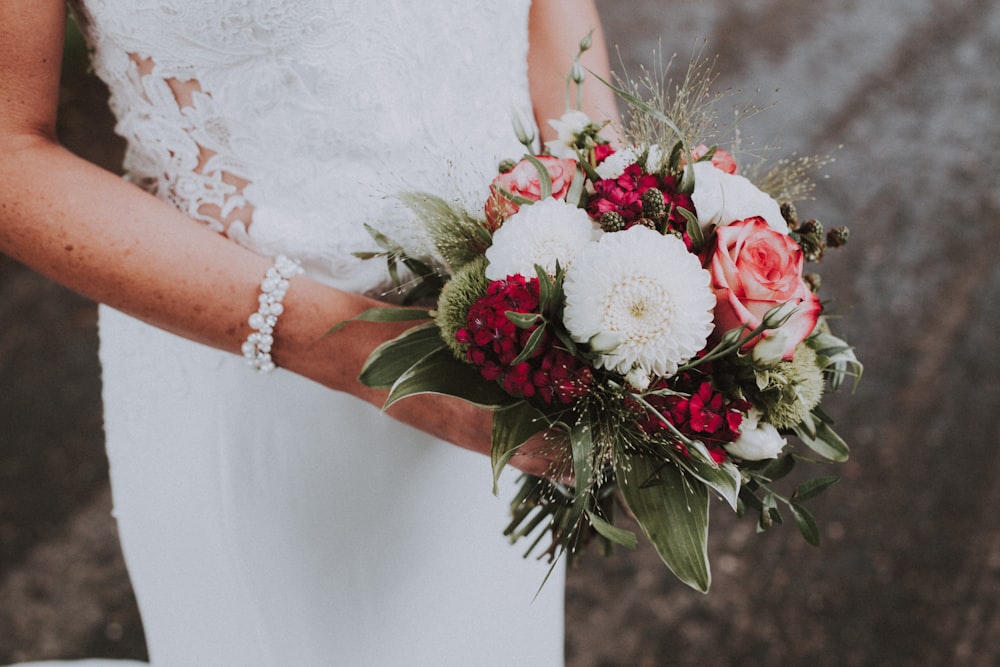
(493, 342)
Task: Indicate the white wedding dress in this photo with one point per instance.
(266, 520)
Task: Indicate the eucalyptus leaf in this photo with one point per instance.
(625, 538)
(513, 425)
(394, 357)
(440, 373)
(672, 513)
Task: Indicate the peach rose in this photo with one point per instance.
(754, 269)
(721, 158)
(523, 180)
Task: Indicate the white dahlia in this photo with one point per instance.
(722, 198)
(643, 302)
(542, 233)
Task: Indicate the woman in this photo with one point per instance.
(266, 520)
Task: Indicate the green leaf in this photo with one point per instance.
(672, 513)
(823, 441)
(523, 320)
(693, 228)
(779, 467)
(575, 195)
(813, 488)
(581, 440)
(769, 514)
(544, 179)
(625, 538)
(513, 425)
(440, 373)
(806, 523)
(724, 479)
(534, 340)
(546, 289)
(642, 106)
(394, 357)
(389, 314)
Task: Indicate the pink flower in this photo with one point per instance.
(721, 159)
(524, 181)
(754, 269)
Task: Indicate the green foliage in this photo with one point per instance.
(672, 510)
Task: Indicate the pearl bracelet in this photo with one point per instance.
(274, 286)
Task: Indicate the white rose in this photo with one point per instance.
(758, 440)
(722, 198)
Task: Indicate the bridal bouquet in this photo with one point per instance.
(644, 307)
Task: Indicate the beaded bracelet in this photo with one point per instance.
(274, 286)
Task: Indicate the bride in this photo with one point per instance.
(265, 519)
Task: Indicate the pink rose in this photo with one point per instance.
(721, 159)
(754, 269)
(523, 180)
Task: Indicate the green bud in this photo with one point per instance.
(577, 73)
(506, 166)
(612, 221)
(790, 215)
(587, 42)
(837, 237)
(653, 204)
(523, 130)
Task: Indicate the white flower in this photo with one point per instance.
(569, 127)
(615, 164)
(722, 198)
(648, 292)
(758, 440)
(541, 233)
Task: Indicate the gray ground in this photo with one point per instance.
(909, 573)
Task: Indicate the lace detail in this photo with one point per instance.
(262, 119)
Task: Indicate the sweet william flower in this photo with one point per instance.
(646, 290)
(545, 233)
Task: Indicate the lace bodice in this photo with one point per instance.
(265, 120)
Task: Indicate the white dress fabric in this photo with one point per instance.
(266, 520)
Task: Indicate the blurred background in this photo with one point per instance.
(905, 95)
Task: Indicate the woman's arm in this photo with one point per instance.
(555, 30)
(93, 232)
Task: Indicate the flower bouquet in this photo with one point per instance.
(644, 307)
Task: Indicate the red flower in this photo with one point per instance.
(707, 415)
(493, 342)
